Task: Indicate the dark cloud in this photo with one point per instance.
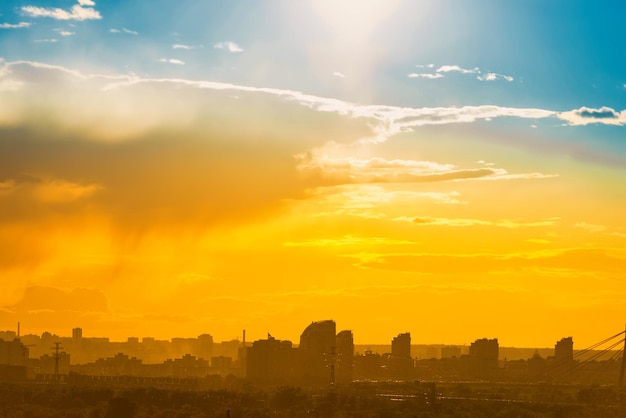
(38, 298)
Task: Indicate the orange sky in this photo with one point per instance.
(200, 209)
(450, 169)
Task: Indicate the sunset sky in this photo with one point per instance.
(452, 169)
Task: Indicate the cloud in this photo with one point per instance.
(66, 33)
(15, 26)
(425, 75)
(564, 260)
(586, 115)
(348, 240)
(172, 61)
(53, 299)
(77, 12)
(379, 170)
(339, 75)
(460, 222)
(494, 77)
(182, 46)
(439, 73)
(228, 46)
(590, 227)
(124, 30)
(47, 40)
(456, 68)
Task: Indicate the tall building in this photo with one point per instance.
(344, 361)
(205, 346)
(317, 352)
(401, 363)
(483, 355)
(564, 350)
(271, 362)
(77, 333)
(401, 346)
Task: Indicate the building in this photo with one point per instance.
(400, 361)
(483, 356)
(564, 350)
(317, 352)
(13, 360)
(344, 361)
(271, 362)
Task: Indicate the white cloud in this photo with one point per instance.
(77, 12)
(587, 115)
(228, 46)
(124, 30)
(379, 170)
(488, 77)
(182, 46)
(66, 33)
(15, 26)
(47, 40)
(439, 73)
(494, 77)
(338, 74)
(172, 61)
(386, 121)
(425, 75)
(456, 68)
(86, 2)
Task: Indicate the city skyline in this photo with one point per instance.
(450, 169)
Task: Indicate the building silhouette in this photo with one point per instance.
(271, 362)
(400, 361)
(13, 360)
(564, 350)
(344, 362)
(483, 356)
(317, 352)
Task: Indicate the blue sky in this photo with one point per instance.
(561, 55)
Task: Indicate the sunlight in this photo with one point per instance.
(354, 20)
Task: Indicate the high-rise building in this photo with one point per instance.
(317, 352)
(483, 355)
(271, 361)
(77, 333)
(564, 350)
(401, 346)
(344, 359)
(401, 363)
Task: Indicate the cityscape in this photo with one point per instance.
(312, 209)
(323, 357)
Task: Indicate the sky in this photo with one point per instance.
(451, 169)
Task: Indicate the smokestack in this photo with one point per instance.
(244, 337)
(18, 329)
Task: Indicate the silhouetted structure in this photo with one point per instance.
(13, 360)
(483, 355)
(271, 362)
(317, 344)
(344, 357)
(564, 350)
(400, 362)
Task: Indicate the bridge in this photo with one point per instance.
(604, 356)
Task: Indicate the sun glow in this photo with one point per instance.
(353, 21)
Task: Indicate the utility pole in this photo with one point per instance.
(56, 348)
(621, 374)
